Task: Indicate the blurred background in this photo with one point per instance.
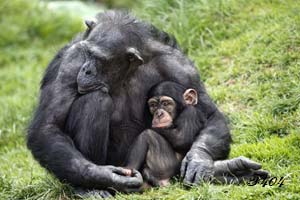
(247, 53)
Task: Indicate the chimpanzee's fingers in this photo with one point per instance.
(231, 179)
(189, 178)
(198, 177)
(183, 168)
(198, 171)
(131, 190)
(250, 164)
(226, 179)
(190, 173)
(242, 164)
(137, 174)
(104, 194)
(119, 170)
(202, 176)
(204, 173)
(246, 176)
(125, 182)
(261, 173)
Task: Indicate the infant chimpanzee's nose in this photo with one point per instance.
(160, 113)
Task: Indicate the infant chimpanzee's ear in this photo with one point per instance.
(190, 97)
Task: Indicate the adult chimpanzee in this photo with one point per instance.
(132, 56)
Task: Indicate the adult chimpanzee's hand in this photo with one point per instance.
(196, 167)
(115, 177)
(237, 170)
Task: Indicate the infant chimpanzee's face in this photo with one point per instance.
(163, 110)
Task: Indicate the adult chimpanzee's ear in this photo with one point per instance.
(134, 56)
(90, 24)
(190, 97)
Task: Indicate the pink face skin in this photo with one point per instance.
(163, 122)
(163, 109)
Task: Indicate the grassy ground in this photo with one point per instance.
(247, 52)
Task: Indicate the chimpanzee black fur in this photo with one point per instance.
(158, 152)
(133, 56)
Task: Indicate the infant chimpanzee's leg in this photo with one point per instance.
(154, 157)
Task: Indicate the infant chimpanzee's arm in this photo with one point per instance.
(185, 128)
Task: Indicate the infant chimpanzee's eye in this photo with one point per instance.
(152, 105)
(165, 103)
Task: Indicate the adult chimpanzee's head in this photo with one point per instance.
(78, 69)
(166, 102)
(112, 44)
(112, 48)
(90, 77)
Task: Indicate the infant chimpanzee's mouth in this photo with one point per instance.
(101, 86)
(161, 124)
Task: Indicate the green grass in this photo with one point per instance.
(248, 55)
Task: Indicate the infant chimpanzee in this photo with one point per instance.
(158, 152)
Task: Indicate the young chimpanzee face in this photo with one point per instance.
(165, 109)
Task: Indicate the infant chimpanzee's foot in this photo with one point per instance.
(164, 182)
(128, 172)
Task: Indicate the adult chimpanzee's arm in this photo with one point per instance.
(237, 170)
(52, 147)
(213, 143)
(56, 152)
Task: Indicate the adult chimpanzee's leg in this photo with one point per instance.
(88, 125)
(152, 154)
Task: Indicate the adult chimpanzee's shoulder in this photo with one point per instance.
(53, 67)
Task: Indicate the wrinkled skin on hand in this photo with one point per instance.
(237, 170)
(114, 179)
(196, 167)
(195, 170)
(118, 179)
